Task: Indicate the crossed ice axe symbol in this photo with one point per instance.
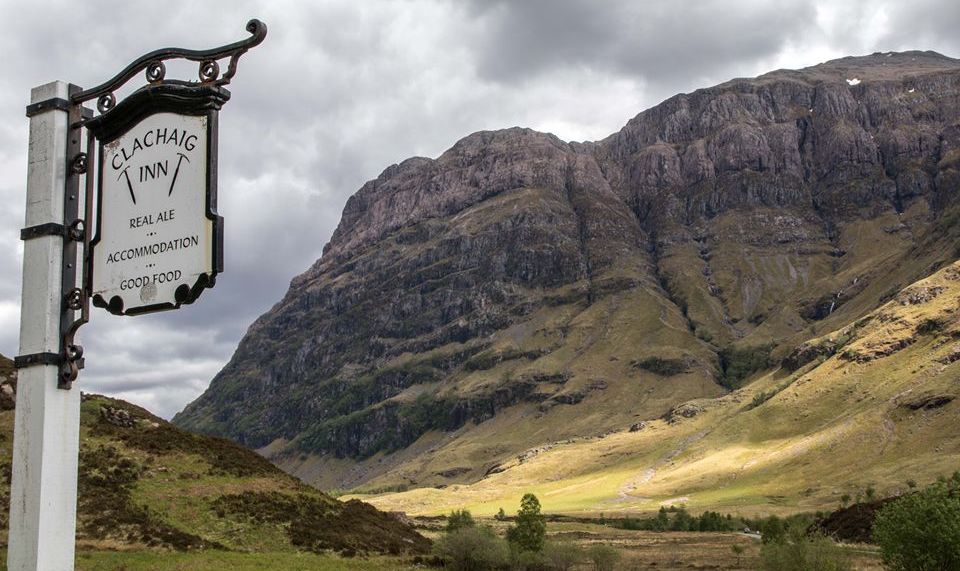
(173, 181)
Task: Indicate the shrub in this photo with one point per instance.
(530, 530)
(683, 521)
(929, 325)
(796, 552)
(661, 366)
(526, 560)
(472, 549)
(459, 519)
(761, 397)
(712, 521)
(738, 363)
(842, 340)
(603, 557)
(921, 530)
(772, 530)
(562, 555)
(737, 550)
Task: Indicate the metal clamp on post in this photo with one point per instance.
(34, 359)
(54, 359)
(75, 231)
(41, 230)
(54, 104)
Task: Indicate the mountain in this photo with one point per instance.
(520, 291)
(146, 483)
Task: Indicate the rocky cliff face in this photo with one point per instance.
(519, 289)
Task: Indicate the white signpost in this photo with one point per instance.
(157, 246)
(43, 489)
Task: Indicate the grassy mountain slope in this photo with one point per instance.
(871, 405)
(144, 483)
(625, 357)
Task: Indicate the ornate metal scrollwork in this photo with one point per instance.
(156, 71)
(79, 164)
(152, 64)
(71, 353)
(74, 299)
(106, 102)
(70, 368)
(209, 71)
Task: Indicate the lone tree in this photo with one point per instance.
(530, 531)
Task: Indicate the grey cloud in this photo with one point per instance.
(660, 41)
(340, 90)
(924, 24)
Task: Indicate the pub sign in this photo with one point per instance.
(158, 240)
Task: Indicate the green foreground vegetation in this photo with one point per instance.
(227, 561)
(918, 531)
(150, 495)
(785, 545)
(921, 530)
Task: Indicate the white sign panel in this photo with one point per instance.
(155, 239)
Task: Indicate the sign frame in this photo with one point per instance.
(179, 98)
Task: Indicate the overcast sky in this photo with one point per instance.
(342, 89)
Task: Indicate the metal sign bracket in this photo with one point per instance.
(75, 298)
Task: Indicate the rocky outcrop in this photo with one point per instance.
(637, 426)
(682, 411)
(118, 417)
(516, 269)
(927, 402)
